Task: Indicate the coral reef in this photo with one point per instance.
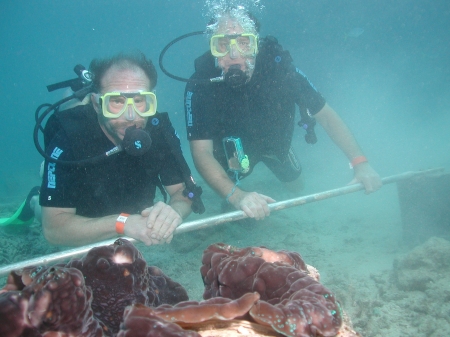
(112, 292)
(117, 276)
(292, 302)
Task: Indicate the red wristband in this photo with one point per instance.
(120, 223)
(358, 160)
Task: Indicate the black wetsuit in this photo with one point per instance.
(120, 183)
(261, 112)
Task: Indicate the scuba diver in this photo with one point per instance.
(104, 160)
(254, 104)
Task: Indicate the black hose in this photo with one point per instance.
(161, 55)
(51, 108)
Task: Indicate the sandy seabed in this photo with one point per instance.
(388, 287)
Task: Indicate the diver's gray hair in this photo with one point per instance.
(238, 14)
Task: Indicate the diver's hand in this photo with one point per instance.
(155, 225)
(136, 228)
(162, 220)
(254, 205)
(365, 174)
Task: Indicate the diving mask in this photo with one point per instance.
(114, 104)
(246, 44)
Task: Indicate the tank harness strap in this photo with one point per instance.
(161, 189)
(192, 191)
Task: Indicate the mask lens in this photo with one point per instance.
(246, 44)
(115, 104)
(223, 45)
(141, 103)
(219, 45)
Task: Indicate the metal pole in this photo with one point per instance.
(216, 220)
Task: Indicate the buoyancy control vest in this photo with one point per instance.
(273, 70)
(80, 125)
(273, 63)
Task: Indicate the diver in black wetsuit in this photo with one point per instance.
(104, 198)
(255, 104)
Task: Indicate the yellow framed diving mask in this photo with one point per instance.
(114, 104)
(245, 43)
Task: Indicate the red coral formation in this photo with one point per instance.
(13, 318)
(91, 295)
(140, 322)
(119, 276)
(56, 300)
(230, 272)
(161, 321)
(18, 279)
(214, 308)
(292, 302)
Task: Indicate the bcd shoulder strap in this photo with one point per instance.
(161, 123)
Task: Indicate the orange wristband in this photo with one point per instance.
(358, 160)
(120, 223)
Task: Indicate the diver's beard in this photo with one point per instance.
(116, 132)
(236, 78)
(250, 65)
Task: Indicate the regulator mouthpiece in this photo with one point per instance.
(235, 77)
(136, 141)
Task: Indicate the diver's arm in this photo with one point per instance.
(178, 201)
(338, 132)
(62, 226)
(209, 167)
(252, 203)
(343, 138)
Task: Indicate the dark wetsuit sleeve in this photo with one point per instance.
(170, 174)
(306, 94)
(58, 180)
